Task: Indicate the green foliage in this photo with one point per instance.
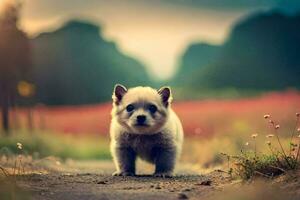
(247, 165)
(76, 65)
(260, 53)
(195, 57)
(190, 93)
(50, 144)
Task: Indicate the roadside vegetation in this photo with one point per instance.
(41, 144)
(280, 158)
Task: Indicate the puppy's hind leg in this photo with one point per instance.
(125, 161)
(164, 162)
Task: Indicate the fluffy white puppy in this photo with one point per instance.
(144, 125)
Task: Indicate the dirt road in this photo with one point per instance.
(99, 186)
(93, 180)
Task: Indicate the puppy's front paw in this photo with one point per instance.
(123, 174)
(163, 174)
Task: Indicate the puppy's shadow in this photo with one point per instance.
(150, 176)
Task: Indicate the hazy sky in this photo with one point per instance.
(154, 31)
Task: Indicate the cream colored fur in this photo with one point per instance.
(162, 135)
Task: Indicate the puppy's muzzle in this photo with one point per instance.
(141, 120)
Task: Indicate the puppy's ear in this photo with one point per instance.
(119, 92)
(166, 95)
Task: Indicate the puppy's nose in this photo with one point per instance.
(141, 119)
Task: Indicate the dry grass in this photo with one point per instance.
(280, 158)
(8, 177)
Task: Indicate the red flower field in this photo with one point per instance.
(202, 118)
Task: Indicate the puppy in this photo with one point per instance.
(144, 125)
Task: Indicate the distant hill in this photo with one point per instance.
(195, 57)
(262, 52)
(76, 65)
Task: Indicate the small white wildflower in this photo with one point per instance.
(267, 116)
(19, 145)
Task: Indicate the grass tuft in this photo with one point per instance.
(279, 160)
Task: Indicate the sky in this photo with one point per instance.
(156, 32)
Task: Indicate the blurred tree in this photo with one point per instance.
(261, 53)
(195, 57)
(15, 59)
(76, 65)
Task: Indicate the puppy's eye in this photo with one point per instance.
(152, 108)
(130, 108)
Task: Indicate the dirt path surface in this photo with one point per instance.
(93, 180)
(99, 186)
(86, 182)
